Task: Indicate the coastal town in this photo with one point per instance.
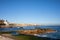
(5, 23)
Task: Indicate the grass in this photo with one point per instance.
(25, 37)
(5, 32)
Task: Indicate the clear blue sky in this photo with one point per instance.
(31, 11)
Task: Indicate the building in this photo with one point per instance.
(3, 23)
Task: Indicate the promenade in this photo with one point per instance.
(5, 38)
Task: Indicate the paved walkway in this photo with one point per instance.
(5, 38)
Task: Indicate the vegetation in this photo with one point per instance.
(5, 33)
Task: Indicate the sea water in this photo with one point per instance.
(55, 35)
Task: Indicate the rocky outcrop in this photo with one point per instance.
(36, 31)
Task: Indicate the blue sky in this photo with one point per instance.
(30, 11)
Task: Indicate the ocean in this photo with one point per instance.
(55, 35)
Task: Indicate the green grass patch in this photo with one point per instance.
(29, 37)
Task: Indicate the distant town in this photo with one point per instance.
(5, 23)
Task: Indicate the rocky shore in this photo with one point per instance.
(36, 31)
